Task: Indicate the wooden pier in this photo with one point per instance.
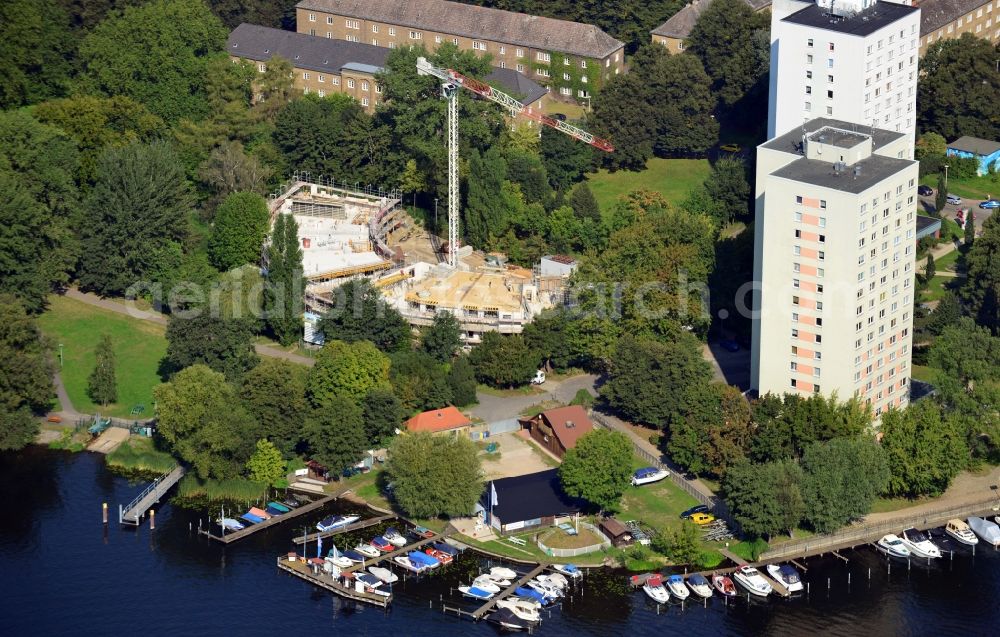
(132, 512)
(778, 587)
(401, 551)
(488, 606)
(362, 524)
(301, 570)
(227, 538)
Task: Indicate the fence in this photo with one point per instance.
(675, 474)
(583, 550)
(869, 532)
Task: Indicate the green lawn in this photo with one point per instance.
(947, 262)
(922, 373)
(657, 505)
(976, 188)
(673, 178)
(885, 505)
(139, 347)
(938, 285)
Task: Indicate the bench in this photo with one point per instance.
(517, 540)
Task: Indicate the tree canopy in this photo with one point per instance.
(842, 479)
(266, 464)
(284, 294)
(335, 434)
(727, 39)
(239, 230)
(503, 360)
(223, 344)
(25, 374)
(346, 370)
(981, 290)
(36, 46)
(274, 392)
(102, 385)
(200, 415)
(598, 469)
(956, 94)
(713, 430)
(925, 449)
(360, 313)
(435, 475)
(441, 340)
(765, 499)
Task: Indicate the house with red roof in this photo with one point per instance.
(447, 420)
(557, 430)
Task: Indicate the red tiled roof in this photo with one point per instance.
(568, 424)
(437, 420)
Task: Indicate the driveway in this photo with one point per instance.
(492, 408)
(517, 458)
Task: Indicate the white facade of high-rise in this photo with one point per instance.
(855, 61)
(834, 255)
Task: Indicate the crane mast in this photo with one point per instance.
(451, 81)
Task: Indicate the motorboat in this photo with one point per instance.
(354, 556)
(260, 513)
(477, 593)
(503, 572)
(526, 602)
(699, 585)
(557, 584)
(291, 502)
(559, 580)
(752, 581)
(920, 544)
(545, 589)
(441, 556)
(497, 580)
(423, 558)
(367, 550)
(383, 574)
(892, 546)
(508, 619)
(276, 508)
(961, 532)
(382, 544)
(724, 585)
(677, 588)
(530, 593)
(655, 589)
(569, 570)
(526, 611)
(486, 584)
(395, 537)
(408, 564)
(648, 475)
(333, 522)
(230, 524)
(368, 580)
(423, 532)
(987, 531)
(787, 576)
(337, 559)
(444, 547)
(251, 518)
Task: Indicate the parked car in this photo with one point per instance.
(730, 148)
(701, 508)
(954, 199)
(702, 518)
(990, 203)
(925, 191)
(539, 378)
(729, 345)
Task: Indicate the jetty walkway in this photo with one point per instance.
(357, 526)
(488, 606)
(301, 569)
(132, 512)
(228, 538)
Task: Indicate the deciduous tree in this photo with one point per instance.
(503, 360)
(441, 340)
(724, 40)
(275, 394)
(598, 469)
(223, 344)
(462, 380)
(239, 230)
(25, 366)
(958, 84)
(925, 449)
(435, 475)
(729, 190)
(713, 430)
(335, 434)
(419, 381)
(842, 478)
(284, 295)
(382, 414)
(102, 385)
(765, 499)
(346, 370)
(201, 418)
(361, 314)
(266, 464)
(37, 47)
(981, 290)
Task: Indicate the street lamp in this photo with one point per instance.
(946, 178)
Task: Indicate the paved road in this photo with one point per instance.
(493, 408)
(160, 319)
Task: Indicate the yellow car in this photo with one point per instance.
(702, 518)
(730, 148)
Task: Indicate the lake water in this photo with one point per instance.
(65, 574)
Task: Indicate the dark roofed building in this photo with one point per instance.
(862, 23)
(326, 66)
(527, 501)
(676, 30)
(558, 429)
(948, 19)
(571, 57)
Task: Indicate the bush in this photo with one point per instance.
(750, 550)
(140, 456)
(582, 398)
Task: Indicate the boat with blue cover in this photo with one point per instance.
(446, 548)
(423, 558)
(279, 507)
(251, 518)
(528, 593)
(476, 593)
(354, 556)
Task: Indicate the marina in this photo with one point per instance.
(357, 526)
(229, 538)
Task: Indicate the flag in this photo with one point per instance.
(319, 547)
(494, 501)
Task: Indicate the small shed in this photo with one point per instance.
(447, 420)
(616, 532)
(984, 151)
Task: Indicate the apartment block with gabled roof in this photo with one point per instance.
(572, 58)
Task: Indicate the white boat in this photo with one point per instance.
(751, 580)
(477, 593)
(655, 589)
(367, 550)
(383, 574)
(548, 591)
(786, 575)
(648, 475)
(893, 546)
(486, 584)
(961, 532)
(527, 602)
(569, 570)
(394, 537)
(987, 531)
(920, 544)
(405, 562)
(339, 561)
(555, 580)
(336, 521)
(699, 585)
(677, 588)
(507, 619)
(502, 573)
(230, 524)
(527, 612)
(724, 585)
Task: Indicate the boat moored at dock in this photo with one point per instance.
(677, 588)
(787, 576)
(699, 585)
(920, 544)
(961, 532)
(987, 531)
(891, 545)
(724, 585)
(333, 522)
(655, 590)
(749, 578)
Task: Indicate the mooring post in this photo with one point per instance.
(152, 520)
(104, 512)
(848, 578)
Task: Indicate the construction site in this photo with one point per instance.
(348, 233)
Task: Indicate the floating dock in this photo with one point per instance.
(228, 538)
(132, 512)
(488, 606)
(301, 569)
(362, 524)
(402, 551)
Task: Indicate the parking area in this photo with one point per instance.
(514, 457)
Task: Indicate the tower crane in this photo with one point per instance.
(451, 81)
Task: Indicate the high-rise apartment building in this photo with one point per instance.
(852, 60)
(834, 258)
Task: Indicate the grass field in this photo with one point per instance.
(922, 373)
(673, 178)
(976, 188)
(139, 454)
(139, 347)
(658, 505)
